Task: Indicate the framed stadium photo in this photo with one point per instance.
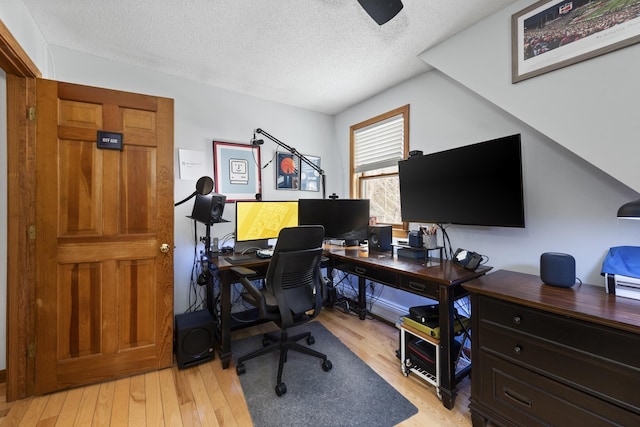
(549, 35)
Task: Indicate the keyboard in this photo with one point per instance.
(236, 259)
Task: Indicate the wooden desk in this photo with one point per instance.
(228, 278)
(435, 279)
(438, 280)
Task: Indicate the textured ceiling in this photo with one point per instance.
(323, 55)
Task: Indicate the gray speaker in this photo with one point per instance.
(557, 269)
(380, 238)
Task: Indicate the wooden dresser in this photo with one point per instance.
(544, 355)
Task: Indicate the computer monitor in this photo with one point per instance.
(259, 221)
(342, 219)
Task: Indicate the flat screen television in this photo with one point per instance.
(478, 184)
(259, 221)
(342, 219)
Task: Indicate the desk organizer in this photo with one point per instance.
(405, 251)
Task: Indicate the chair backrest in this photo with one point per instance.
(294, 275)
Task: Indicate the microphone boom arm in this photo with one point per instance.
(301, 156)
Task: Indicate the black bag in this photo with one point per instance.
(423, 354)
(467, 259)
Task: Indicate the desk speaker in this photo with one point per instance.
(558, 269)
(380, 238)
(194, 338)
(208, 209)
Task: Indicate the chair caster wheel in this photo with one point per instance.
(326, 365)
(281, 388)
(241, 369)
(311, 340)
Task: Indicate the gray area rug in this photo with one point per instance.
(350, 394)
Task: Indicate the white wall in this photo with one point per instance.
(589, 107)
(17, 19)
(570, 206)
(204, 114)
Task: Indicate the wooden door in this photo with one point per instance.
(104, 287)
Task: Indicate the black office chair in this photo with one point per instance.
(292, 295)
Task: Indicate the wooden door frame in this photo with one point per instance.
(21, 73)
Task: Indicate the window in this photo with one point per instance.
(376, 146)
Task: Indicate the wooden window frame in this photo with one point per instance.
(399, 230)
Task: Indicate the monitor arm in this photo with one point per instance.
(301, 156)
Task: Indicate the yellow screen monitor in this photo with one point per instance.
(261, 220)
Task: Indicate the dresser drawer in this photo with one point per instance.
(615, 382)
(608, 343)
(529, 399)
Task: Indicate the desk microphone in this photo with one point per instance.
(255, 141)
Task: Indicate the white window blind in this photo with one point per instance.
(379, 145)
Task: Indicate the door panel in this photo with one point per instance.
(104, 291)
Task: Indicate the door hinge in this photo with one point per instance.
(31, 113)
(31, 350)
(32, 232)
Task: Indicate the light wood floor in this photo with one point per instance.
(206, 395)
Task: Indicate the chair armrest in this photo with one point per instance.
(255, 296)
(243, 271)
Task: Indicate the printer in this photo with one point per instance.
(621, 271)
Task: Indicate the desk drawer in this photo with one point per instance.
(526, 398)
(377, 275)
(419, 287)
(608, 343)
(613, 381)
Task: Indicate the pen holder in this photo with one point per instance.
(430, 241)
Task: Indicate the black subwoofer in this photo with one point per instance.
(194, 338)
(380, 238)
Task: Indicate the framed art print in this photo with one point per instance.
(549, 35)
(236, 170)
(287, 171)
(310, 178)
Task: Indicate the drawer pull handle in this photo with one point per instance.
(517, 349)
(517, 320)
(416, 286)
(360, 270)
(517, 397)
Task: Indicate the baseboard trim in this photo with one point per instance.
(389, 311)
(383, 309)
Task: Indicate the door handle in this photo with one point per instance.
(164, 248)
